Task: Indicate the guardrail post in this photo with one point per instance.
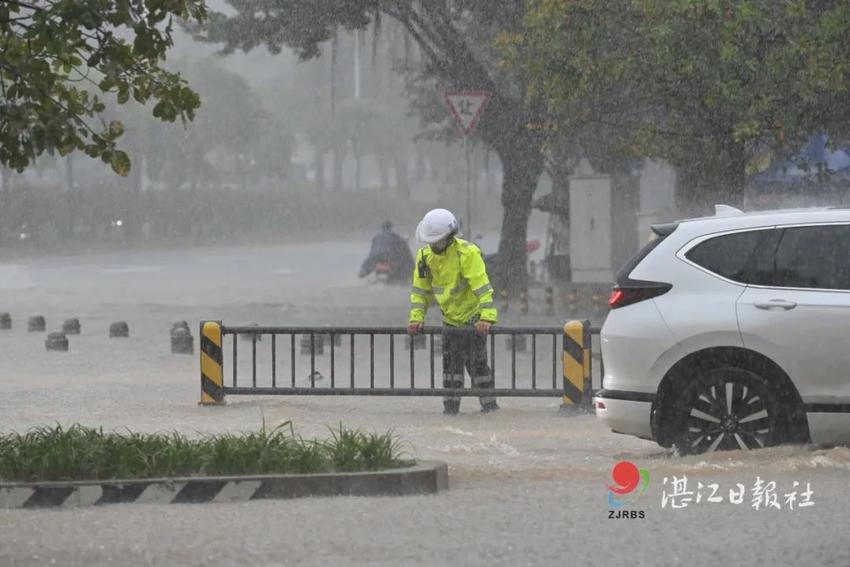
(577, 369)
(212, 364)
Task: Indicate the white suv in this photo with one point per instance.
(733, 331)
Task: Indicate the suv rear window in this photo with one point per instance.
(814, 257)
(742, 257)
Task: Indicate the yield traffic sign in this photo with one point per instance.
(466, 108)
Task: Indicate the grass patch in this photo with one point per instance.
(81, 453)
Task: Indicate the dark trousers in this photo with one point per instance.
(464, 348)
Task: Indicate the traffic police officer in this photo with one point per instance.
(450, 272)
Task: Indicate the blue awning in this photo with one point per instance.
(816, 164)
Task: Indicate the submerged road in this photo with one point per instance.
(529, 485)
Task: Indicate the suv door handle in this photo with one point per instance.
(776, 304)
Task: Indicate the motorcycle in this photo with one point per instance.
(382, 271)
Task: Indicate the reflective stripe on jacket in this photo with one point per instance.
(456, 280)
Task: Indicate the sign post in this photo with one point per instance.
(466, 108)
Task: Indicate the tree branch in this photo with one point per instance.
(423, 44)
(71, 114)
(32, 7)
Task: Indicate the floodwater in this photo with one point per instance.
(528, 483)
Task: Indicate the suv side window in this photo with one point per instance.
(743, 257)
(814, 257)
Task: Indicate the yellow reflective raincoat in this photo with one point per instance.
(456, 280)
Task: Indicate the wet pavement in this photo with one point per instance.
(528, 483)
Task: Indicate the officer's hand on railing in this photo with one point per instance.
(415, 327)
(483, 327)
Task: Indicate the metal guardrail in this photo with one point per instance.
(528, 366)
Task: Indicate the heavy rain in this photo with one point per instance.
(224, 218)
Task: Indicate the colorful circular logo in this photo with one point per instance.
(630, 482)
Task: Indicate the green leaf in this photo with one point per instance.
(66, 149)
(116, 129)
(120, 163)
(46, 105)
(123, 94)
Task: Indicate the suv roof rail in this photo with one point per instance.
(726, 211)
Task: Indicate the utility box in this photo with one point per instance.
(590, 229)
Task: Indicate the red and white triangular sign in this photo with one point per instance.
(466, 107)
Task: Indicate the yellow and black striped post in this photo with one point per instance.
(597, 304)
(577, 369)
(572, 302)
(212, 361)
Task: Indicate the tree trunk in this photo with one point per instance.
(134, 216)
(419, 162)
(384, 174)
(337, 156)
(358, 162)
(69, 173)
(434, 160)
(402, 182)
(522, 165)
(319, 165)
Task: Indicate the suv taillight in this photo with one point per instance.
(627, 295)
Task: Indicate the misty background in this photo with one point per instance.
(330, 147)
(280, 149)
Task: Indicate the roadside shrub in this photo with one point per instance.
(81, 453)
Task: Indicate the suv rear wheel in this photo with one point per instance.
(726, 408)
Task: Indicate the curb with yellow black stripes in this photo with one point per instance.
(577, 366)
(423, 477)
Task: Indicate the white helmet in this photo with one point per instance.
(436, 225)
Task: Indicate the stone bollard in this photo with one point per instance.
(521, 342)
(71, 327)
(5, 321)
(182, 341)
(550, 301)
(523, 298)
(179, 325)
(119, 329)
(318, 343)
(417, 340)
(36, 324)
(56, 341)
